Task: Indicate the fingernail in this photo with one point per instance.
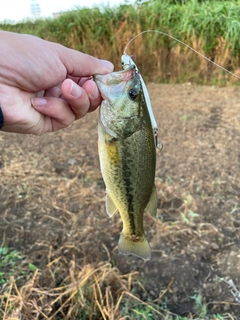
(38, 102)
(94, 93)
(75, 90)
(108, 65)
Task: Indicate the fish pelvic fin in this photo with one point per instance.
(110, 206)
(152, 204)
(138, 248)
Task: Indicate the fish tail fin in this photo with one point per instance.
(139, 248)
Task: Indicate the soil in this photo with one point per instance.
(52, 200)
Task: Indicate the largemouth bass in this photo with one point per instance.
(127, 152)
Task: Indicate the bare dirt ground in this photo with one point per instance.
(52, 202)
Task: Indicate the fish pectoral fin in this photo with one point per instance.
(152, 204)
(139, 248)
(110, 206)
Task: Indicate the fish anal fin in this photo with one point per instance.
(152, 204)
(139, 248)
(110, 206)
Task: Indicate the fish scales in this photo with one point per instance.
(129, 177)
(127, 156)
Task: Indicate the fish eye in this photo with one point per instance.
(133, 93)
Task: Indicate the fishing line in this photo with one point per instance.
(186, 45)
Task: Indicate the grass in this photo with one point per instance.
(9, 264)
(64, 288)
(88, 292)
(210, 27)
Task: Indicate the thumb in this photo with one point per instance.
(56, 114)
(79, 64)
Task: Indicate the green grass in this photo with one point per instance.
(11, 262)
(151, 311)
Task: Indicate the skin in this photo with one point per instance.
(45, 86)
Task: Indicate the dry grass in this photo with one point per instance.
(90, 292)
(52, 206)
(63, 287)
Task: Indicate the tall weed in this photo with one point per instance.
(210, 27)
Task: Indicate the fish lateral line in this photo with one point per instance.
(183, 43)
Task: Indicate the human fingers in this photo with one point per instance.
(80, 64)
(57, 111)
(33, 64)
(53, 92)
(93, 93)
(81, 99)
(79, 80)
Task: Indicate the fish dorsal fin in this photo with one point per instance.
(110, 206)
(152, 204)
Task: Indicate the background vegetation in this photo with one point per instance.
(210, 27)
(56, 291)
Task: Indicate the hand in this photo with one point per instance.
(45, 86)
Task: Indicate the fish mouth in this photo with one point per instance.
(115, 77)
(112, 79)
